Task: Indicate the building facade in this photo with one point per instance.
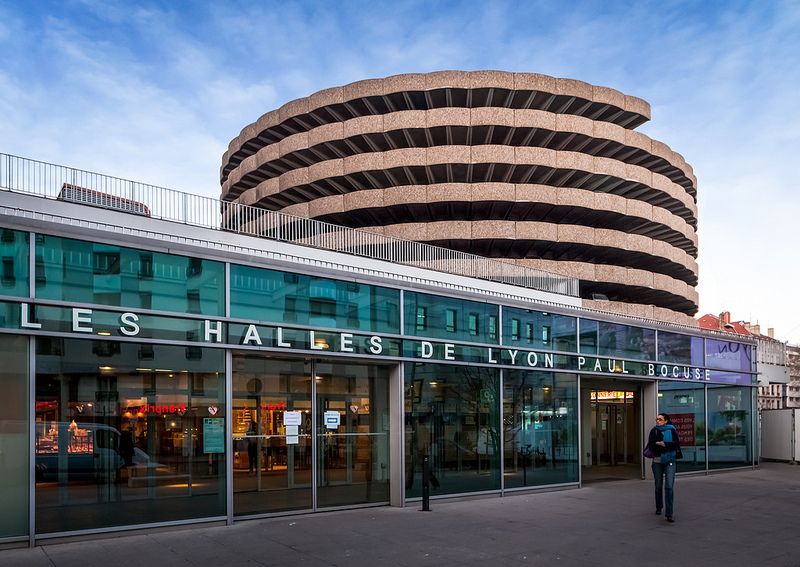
(158, 370)
(773, 357)
(544, 172)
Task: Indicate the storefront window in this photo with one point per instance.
(123, 438)
(730, 414)
(89, 272)
(528, 328)
(451, 415)
(450, 319)
(540, 428)
(282, 297)
(14, 449)
(685, 404)
(14, 250)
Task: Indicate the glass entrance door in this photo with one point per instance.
(352, 434)
(614, 429)
(272, 469)
(308, 434)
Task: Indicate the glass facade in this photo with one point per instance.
(528, 328)
(91, 272)
(447, 318)
(14, 450)
(452, 417)
(730, 414)
(119, 441)
(283, 297)
(685, 404)
(129, 390)
(14, 251)
(540, 428)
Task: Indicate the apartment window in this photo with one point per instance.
(422, 318)
(514, 329)
(473, 324)
(492, 327)
(450, 320)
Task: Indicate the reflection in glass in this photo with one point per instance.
(685, 404)
(282, 297)
(680, 349)
(451, 415)
(540, 428)
(730, 442)
(450, 318)
(14, 448)
(271, 470)
(123, 440)
(90, 272)
(352, 433)
(528, 328)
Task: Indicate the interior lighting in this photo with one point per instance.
(105, 368)
(104, 333)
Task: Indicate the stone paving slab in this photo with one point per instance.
(749, 517)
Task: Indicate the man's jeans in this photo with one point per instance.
(664, 489)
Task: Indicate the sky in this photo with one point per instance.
(154, 91)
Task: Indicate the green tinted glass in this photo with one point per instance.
(282, 297)
(14, 263)
(447, 318)
(88, 272)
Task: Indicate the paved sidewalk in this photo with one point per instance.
(742, 518)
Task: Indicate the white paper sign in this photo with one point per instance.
(292, 432)
(332, 419)
(293, 418)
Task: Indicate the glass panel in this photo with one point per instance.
(626, 342)
(14, 446)
(588, 330)
(541, 330)
(121, 440)
(89, 272)
(685, 405)
(728, 355)
(730, 441)
(269, 295)
(352, 434)
(680, 349)
(14, 252)
(271, 470)
(540, 425)
(450, 319)
(451, 415)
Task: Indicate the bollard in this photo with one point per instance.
(426, 484)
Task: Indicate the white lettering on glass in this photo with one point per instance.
(81, 317)
(129, 324)
(25, 318)
(212, 328)
(346, 342)
(251, 336)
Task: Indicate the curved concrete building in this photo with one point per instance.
(545, 172)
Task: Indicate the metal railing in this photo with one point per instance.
(75, 185)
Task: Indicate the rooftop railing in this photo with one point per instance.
(94, 189)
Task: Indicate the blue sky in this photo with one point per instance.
(154, 91)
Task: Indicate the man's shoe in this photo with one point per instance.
(658, 511)
(669, 519)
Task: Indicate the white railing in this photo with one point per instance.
(76, 185)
